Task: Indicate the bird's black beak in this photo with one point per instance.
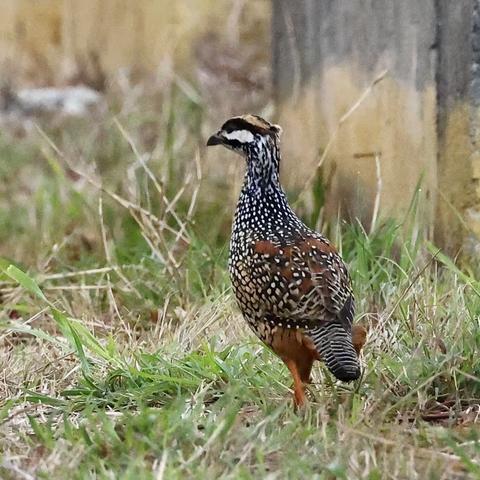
(215, 139)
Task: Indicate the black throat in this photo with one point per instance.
(263, 205)
(263, 167)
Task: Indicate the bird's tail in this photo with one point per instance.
(334, 344)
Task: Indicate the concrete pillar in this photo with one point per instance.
(420, 121)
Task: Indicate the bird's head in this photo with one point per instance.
(246, 134)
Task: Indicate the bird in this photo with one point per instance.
(290, 282)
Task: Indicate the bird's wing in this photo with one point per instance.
(304, 282)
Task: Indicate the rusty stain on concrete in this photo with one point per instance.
(396, 120)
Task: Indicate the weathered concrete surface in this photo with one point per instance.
(311, 36)
(396, 122)
(458, 133)
(422, 117)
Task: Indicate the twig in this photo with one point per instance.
(153, 178)
(376, 205)
(78, 273)
(410, 285)
(123, 202)
(193, 201)
(160, 472)
(109, 261)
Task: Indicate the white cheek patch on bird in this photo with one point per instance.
(242, 136)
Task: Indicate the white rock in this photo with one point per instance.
(74, 101)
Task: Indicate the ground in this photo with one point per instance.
(123, 354)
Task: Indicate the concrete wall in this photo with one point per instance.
(458, 132)
(421, 118)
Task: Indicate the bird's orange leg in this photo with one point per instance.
(298, 386)
(304, 369)
(359, 336)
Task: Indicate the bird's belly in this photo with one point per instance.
(285, 342)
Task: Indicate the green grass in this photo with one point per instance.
(123, 354)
